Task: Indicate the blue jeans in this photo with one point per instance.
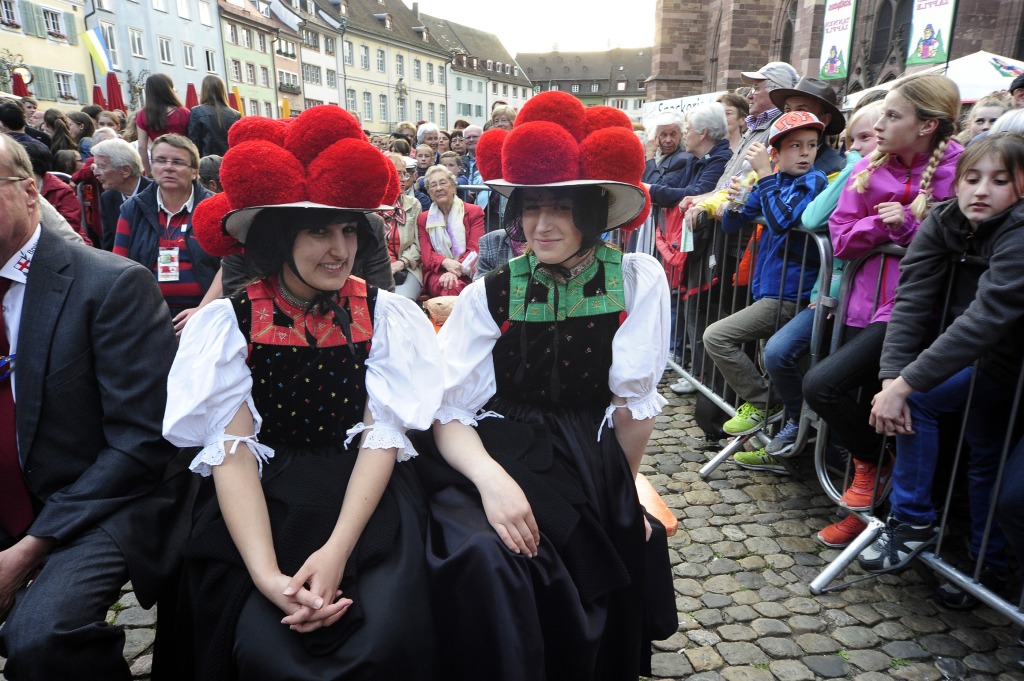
(916, 455)
(1011, 502)
(782, 355)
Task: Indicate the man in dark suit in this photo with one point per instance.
(118, 167)
(89, 497)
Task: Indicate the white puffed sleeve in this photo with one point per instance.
(467, 339)
(403, 376)
(209, 381)
(641, 343)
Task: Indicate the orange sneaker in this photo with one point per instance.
(859, 495)
(839, 535)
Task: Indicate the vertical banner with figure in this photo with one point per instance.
(930, 32)
(835, 42)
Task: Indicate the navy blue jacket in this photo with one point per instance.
(140, 212)
(670, 169)
(697, 177)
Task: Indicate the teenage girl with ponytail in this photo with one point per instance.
(891, 191)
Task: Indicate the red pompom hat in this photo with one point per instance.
(556, 142)
(320, 160)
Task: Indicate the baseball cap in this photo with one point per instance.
(779, 72)
(1017, 83)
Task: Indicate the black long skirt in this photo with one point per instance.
(576, 611)
(236, 633)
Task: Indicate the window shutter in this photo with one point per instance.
(28, 18)
(43, 82)
(83, 96)
(71, 28)
(39, 20)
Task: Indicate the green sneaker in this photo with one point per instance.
(749, 418)
(759, 461)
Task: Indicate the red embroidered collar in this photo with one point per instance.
(264, 298)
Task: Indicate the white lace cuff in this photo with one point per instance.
(446, 414)
(383, 436)
(646, 407)
(213, 453)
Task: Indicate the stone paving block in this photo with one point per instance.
(752, 563)
(790, 670)
(708, 618)
(770, 627)
(1011, 657)
(751, 580)
(745, 597)
(706, 676)
(872, 676)
(762, 546)
(923, 625)
(740, 613)
(802, 606)
(746, 674)
(723, 566)
(715, 600)
(828, 666)
(838, 618)
(856, 637)
(142, 666)
(975, 639)
(918, 671)
(696, 553)
(943, 644)
(869, 660)
(802, 624)
(894, 631)
(736, 632)
(770, 609)
(816, 643)
(986, 663)
(904, 650)
(722, 584)
(741, 653)
(704, 658)
(672, 644)
(704, 637)
(779, 647)
(670, 664)
(135, 617)
(864, 614)
(137, 641)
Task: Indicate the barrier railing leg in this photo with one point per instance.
(832, 570)
(726, 453)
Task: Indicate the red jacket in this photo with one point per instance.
(63, 198)
(473, 221)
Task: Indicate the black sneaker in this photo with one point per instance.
(897, 544)
(995, 579)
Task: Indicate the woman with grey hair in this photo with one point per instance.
(706, 139)
(449, 234)
(670, 159)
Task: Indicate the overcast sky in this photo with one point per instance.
(538, 25)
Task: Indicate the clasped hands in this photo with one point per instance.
(454, 271)
(311, 598)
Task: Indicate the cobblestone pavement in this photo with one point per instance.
(743, 557)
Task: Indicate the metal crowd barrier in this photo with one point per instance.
(710, 295)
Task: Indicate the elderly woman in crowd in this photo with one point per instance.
(155, 228)
(503, 116)
(670, 158)
(209, 173)
(449, 234)
(736, 110)
(706, 140)
(402, 236)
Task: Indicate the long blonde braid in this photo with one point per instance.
(919, 206)
(862, 179)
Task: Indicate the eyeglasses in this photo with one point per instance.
(439, 184)
(12, 179)
(403, 176)
(176, 162)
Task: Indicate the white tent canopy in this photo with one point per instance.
(976, 75)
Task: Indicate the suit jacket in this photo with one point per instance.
(95, 345)
(495, 251)
(110, 211)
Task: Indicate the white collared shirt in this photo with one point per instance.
(136, 190)
(187, 206)
(16, 269)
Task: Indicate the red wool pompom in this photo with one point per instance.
(207, 221)
(555, 107)
(318, 128)
(253, 128)
(539, 153)
(349, 174)
(639, 219)
(600, 117)
(394, 190)
(261, 173)
(612, 154)
(488, 153)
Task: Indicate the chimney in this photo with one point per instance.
(416, 9)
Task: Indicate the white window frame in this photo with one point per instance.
(364, 57)
(349, 55)
(441, 75)
(444, 117)
(400, 108)
(400, 67)
(330, 45)
(350, 99)
(205, 18)
(575, 88)
(332, 78)
(53, 21)
(382, 101)
(431, 112)
(247, 38)
(100, 4)
(268, 109)
(261, 42)
(111, 37)
(250, 73)
(430, 73)
(367, 106)
(64, 83)
(490, 64)
(188, 54)
(160, 5)
(232, 36)
(458, 83)
(264, 76)
(254, 107)
(419, 109)
(166, 55)
(595, 87)
(236, 70)
(417, 72)
(211, 61)
(183, 9)
(382, 61)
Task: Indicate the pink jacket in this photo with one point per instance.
(857, 230)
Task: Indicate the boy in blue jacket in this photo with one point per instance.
(780, 196)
